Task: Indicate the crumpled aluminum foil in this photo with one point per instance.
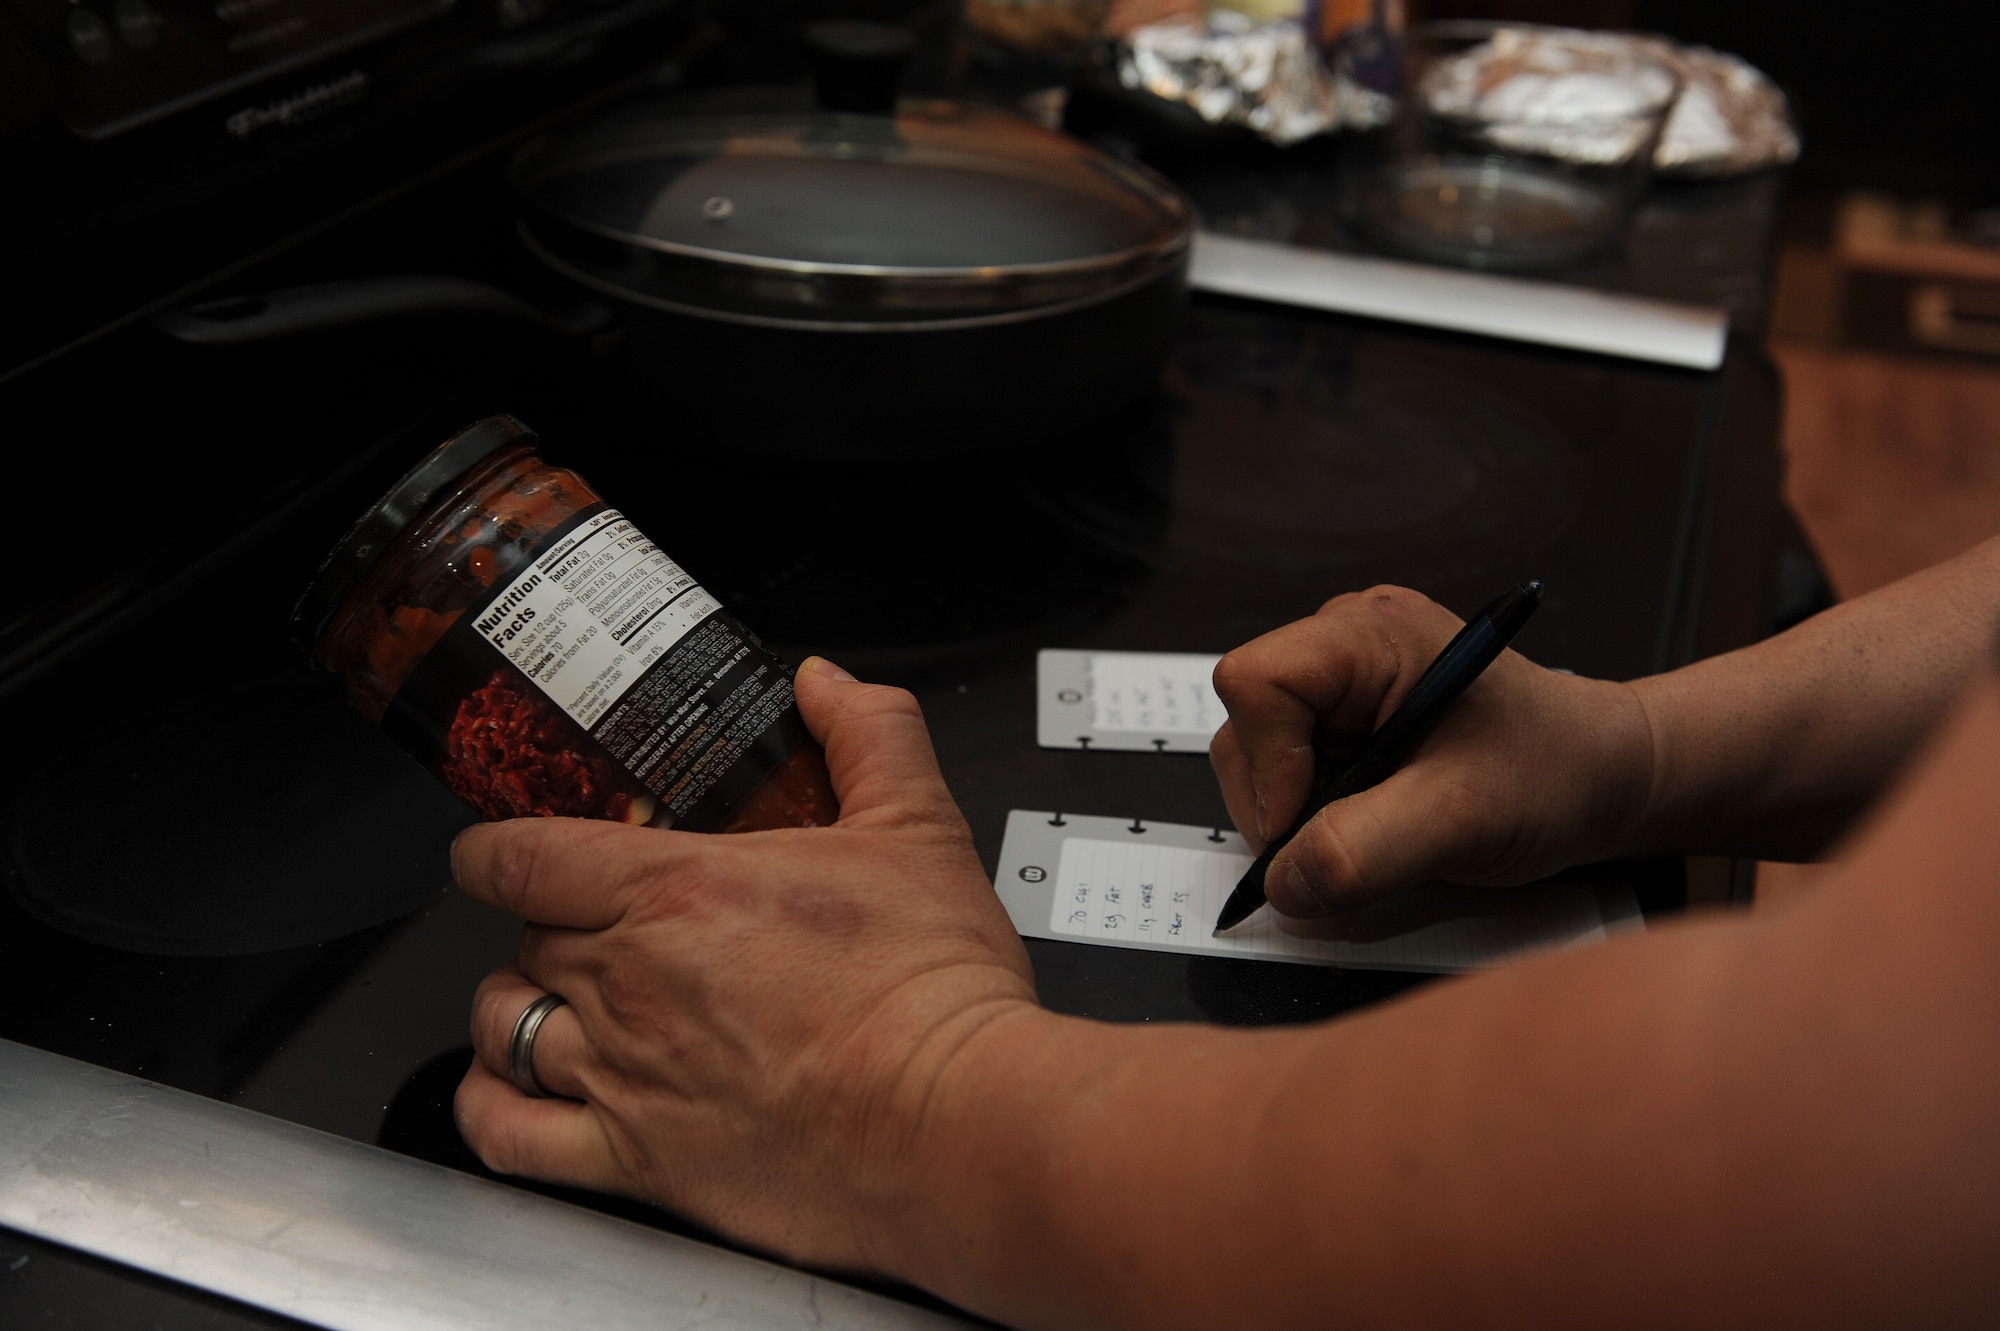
(1554, 88)
(1580, 96)
(1730, 118)
(1266, 77)
(1585, 97)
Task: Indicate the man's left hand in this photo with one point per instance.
(754, 1022)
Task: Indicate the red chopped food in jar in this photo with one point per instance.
(543, 657)
(508, 757)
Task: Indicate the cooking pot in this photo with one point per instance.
(943, 278)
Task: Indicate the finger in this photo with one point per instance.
(561, 1141)
(561, 1051)
(878, 750)
(1342, 670)
(1401, 833)
(1232, 774)
(1271, 733)
(575, 962)
(579, 873)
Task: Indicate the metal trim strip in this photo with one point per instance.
(631, 295)
(1516, 308)
(356, 1238)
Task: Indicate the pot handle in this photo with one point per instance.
(326, 306)
(856, 66)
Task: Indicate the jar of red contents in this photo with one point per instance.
(541, 656)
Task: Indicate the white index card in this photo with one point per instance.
(1162, 701)
(1160, 886)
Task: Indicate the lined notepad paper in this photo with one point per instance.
(1161, 887)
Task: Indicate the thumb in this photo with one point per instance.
(878, 751)
(1398, 834)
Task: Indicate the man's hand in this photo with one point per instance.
(755, 1022)
(1530, 771)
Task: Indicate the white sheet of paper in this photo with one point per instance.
(1127, 700)
(1099, 880)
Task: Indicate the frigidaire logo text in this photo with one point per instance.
(500, 622)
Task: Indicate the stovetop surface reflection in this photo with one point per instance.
(216, 877)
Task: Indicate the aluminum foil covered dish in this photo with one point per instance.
(1580, 95)
(1265, 77)
(1729, 118)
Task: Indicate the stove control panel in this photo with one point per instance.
(102, 68)
(124, 63)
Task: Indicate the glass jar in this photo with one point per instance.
(1507, 146)
(527, 644)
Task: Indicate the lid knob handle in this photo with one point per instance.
(856, 65)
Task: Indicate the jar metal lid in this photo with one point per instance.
(390, 516)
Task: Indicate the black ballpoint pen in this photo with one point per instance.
(1463, 659)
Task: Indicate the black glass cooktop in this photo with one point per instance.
(217, 877)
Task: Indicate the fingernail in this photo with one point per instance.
(819, 665)
(1299, 896)
(1263, 822)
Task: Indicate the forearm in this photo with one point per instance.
(1079, 1174)
(1743, 1122)
(1772, 750)
(1426, 1164)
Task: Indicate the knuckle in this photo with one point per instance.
(1234, 666)
(1234, 674)
(481, 1131)
(1335, 605)
(497, 1145)
(874, 700)
(1390, 596)
(488, 1005)
(1383, 600)
(627, 988)
(1225, 752)
(893, 699)
(1329, 861)
(541, 951)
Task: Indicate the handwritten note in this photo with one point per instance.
(1166, 693)
(1130, 894)
(1159, 701)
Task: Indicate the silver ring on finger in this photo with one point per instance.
(521, 1044)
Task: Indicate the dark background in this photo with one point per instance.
(1895, 98)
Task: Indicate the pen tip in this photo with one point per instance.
(1533, 587)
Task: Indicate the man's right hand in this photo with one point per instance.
(1530, 771)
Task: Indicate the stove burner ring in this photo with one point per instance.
(261, 818)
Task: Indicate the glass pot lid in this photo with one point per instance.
(944, 213)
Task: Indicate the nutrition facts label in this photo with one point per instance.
(593, 612)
